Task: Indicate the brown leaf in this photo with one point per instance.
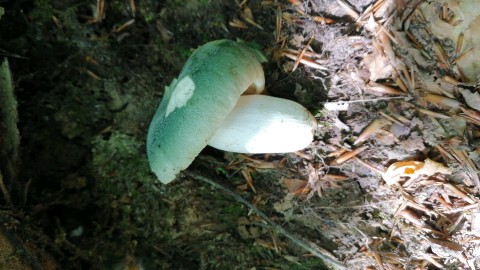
(295, 185)
(446, 243)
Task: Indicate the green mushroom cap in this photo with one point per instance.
(195, 105)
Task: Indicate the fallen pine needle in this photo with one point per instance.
(304, 60)
(341, 159)
(433, 114)
(369, 131)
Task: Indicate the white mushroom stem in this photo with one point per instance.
(264, 124)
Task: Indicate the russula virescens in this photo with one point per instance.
(195, 106)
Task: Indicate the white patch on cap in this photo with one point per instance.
(181, 94)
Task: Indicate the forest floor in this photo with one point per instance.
(390, 181)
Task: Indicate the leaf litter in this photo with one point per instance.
(421, 145)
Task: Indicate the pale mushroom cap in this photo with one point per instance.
(194, 106)
(265, 124)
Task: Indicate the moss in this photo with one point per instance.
(133, 202)
(184, 52)
(149, 17)
(120, 156)
(230, 214)
(43, 10)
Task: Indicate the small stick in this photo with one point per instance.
(300, 55)
(378, 5)
(433, 261)
(391, 119)
(459, 43)
(278, 24)
(371, 100)
(304, 60)
(463, 208)
(320, 253)
(433, 114)
(444, 11)
(348, 155)
(461, 56)
(133, 7)
(350, 10)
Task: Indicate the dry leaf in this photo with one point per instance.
(378, 65)
(472, 99)
(399, 130)
(413, 169)
(413, 143)
(295, 186)
(447, 244)
(466, 19)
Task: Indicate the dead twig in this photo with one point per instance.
(348, 155)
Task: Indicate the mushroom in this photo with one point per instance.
(202, 107)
